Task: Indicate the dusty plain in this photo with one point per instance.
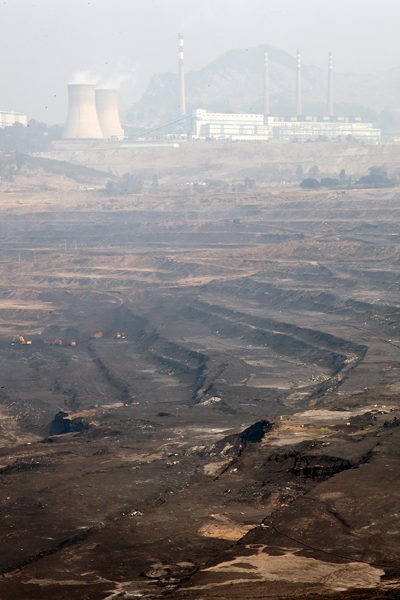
(241, 440)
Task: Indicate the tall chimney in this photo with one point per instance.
(182, 101)
(330, 88)
(266, 85)
(82, 121)
(298, 85)
(107, 113)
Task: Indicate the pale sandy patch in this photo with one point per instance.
(297, 569)
(215, 467)
(224, 528)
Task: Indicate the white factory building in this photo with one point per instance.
(241, 126)
(9, 117)
(235, 126)
(312, 128)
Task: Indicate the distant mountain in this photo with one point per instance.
(234, 82)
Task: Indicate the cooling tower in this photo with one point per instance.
(298, 85)
(330, 88)
(82, 121)
(107, 113)
(266, 85)
(182, 100)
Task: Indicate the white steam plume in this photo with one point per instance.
(92, 77)
(123, 74)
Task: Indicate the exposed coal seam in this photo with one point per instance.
(316, 467)
(201, 381)
(332, 511)
(251, 435)
(346, 371)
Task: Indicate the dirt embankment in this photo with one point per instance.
(266, 162)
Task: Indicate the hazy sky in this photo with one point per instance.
(44, 43)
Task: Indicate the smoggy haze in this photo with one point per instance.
(50, 43)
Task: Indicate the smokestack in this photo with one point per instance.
(182, 101)
(330, 88)
(298, 86)
(266, 85)
(82, 121)
(107, 113)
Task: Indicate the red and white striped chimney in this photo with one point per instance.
(330, 88)
(182, 100)
(298, 85)
(266, 84)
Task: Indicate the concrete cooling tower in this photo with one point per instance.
(107, 113)
(82, 121)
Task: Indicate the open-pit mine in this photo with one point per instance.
(233, 431)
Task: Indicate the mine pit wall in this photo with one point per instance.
(192, 368)
(312, 336)
(279, 342)
(175, 359)
(272, 295)
(121, 386)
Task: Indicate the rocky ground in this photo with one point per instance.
(241, 439)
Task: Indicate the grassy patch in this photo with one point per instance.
(315, 401)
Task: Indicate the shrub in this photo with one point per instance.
(329, 182)
(310, 183)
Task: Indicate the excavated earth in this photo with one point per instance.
(241, 439)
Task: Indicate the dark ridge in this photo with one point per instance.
(62, 424)
(250, 435)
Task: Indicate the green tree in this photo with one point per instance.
(299, 172)
(310, 183)
(249, 183)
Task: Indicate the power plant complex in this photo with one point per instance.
(93, 114)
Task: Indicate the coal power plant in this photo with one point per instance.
(93, 114)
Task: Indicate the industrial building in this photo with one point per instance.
(312, 128)
(238, 126)
(9, 117)
(232, 125)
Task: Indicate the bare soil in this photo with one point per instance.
(182, 162)
(242, 439)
